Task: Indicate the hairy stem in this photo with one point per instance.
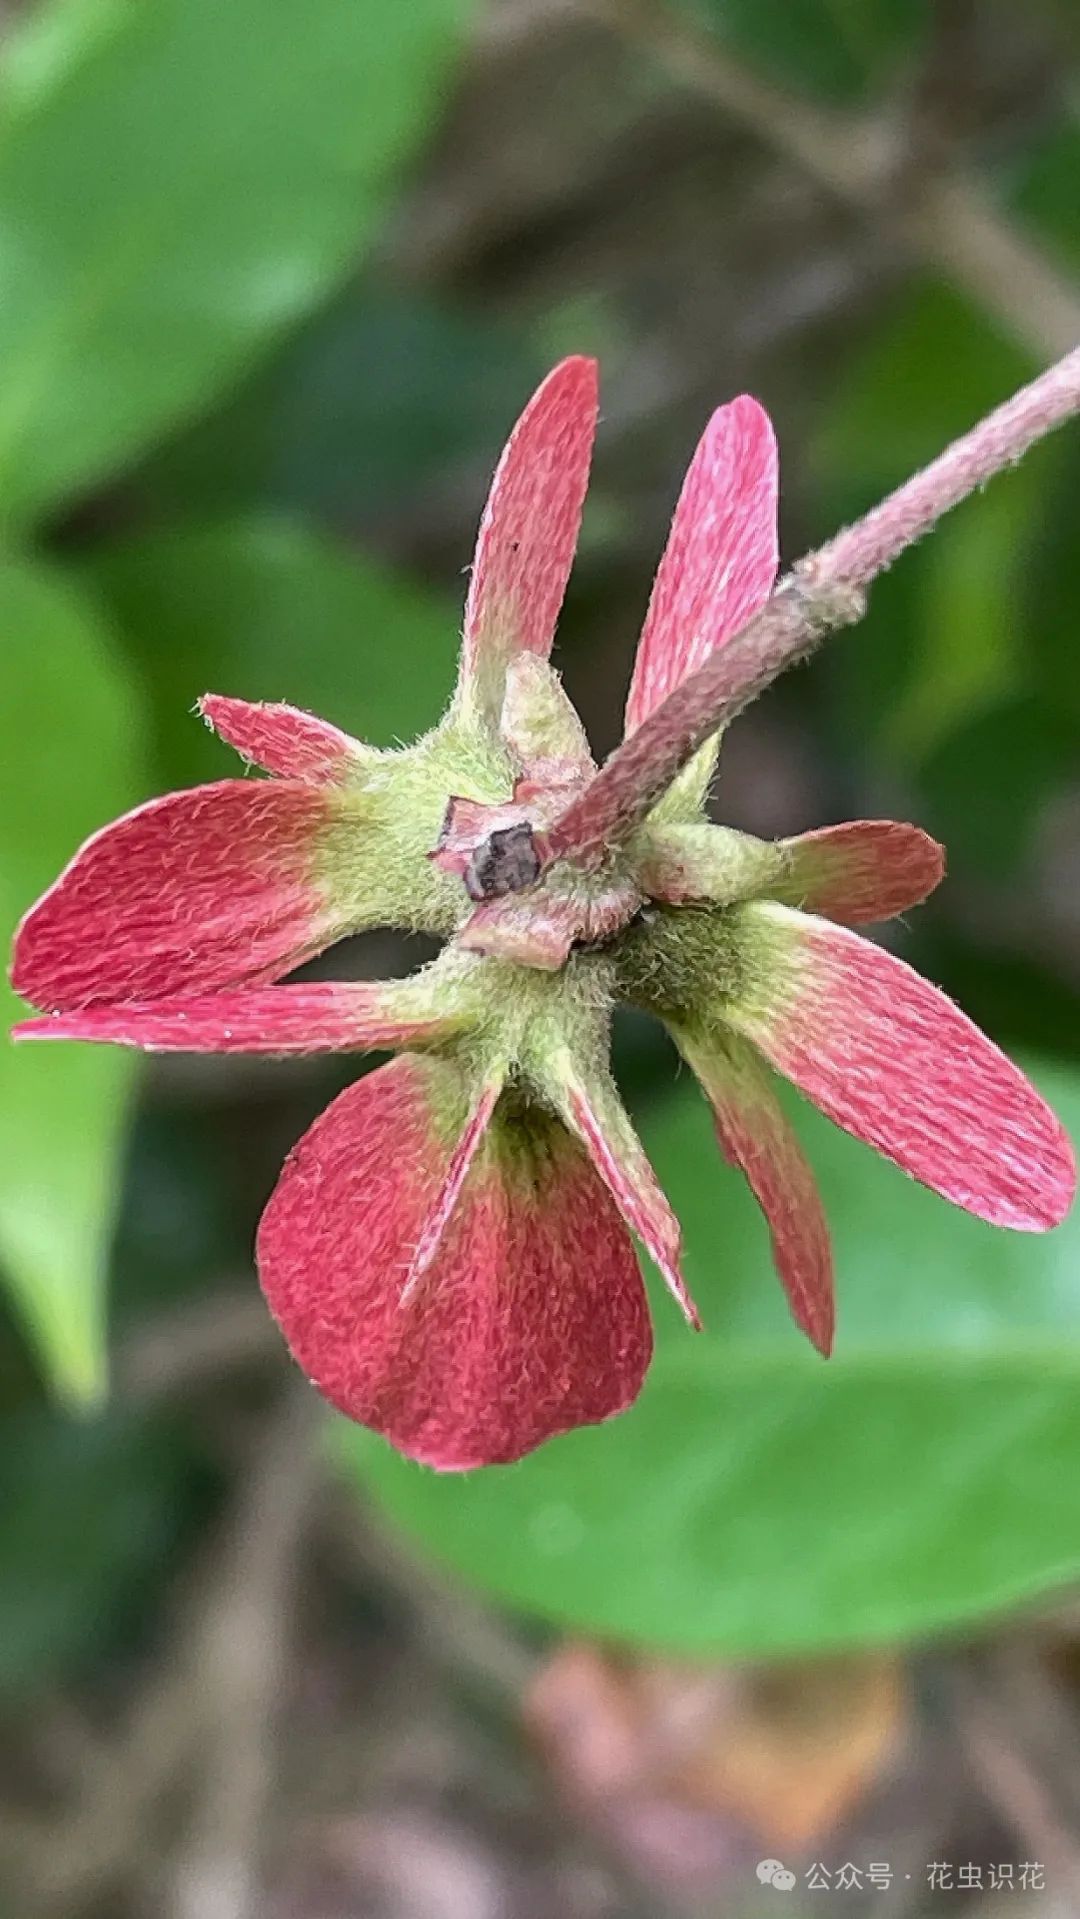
(824, 591)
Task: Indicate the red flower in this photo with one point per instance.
(447, 1248)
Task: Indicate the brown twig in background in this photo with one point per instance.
(1023, 1744)
(196, 1344)
(461, 1634)
(239, 1668)
(212, 1701)
(943, 219)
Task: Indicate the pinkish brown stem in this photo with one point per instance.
(823, 592)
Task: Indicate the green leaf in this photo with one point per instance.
(180, 181)
(313, 432)
(266, 609)
(1052, 591)
(1043, 194)
(987, 782)
(88, 1516)
(759, 1502)
(929, 374)
(968, 637)
(947, 634)
(69, 761)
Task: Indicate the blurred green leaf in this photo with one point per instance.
(1043, 194)
(946, 633)
(314, 432)
(1052, 591)
(968, 647)
(69, 761)
(757, 1502)
(269, 610)
(1024, 1003)
(841, 49)
(180, 181)
(87, 1512)
(927, 375)
(985, 784)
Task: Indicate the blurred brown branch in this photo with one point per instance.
(211, 1702)
(239, 1668)
(1022, 1740)
(938, 215)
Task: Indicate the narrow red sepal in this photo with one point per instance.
(529, 529)
(861, 872)
(720, 561)
(282, 739)
(893, 1061)
(756, 1135)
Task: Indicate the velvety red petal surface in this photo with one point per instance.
(720, 561)
(281, 739)
(531, 1318)
(208, 888)
(863, 871)
(756, 1135)
(893, 1061)
(317, 1018)
(529, 528)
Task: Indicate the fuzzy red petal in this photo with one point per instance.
(209, 888)
(756, 1135)
(282, 739)
(531, 1318)
(323, 1017)
(529, 528)
(720, 561)
(863, 871)
(893, 1061)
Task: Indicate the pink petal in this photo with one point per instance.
(720, 561)
(531, 1318)
(591, 1105)
(529, 528)
(893, 1061)
(218, 886)
(461, 1159)
(318, 1018)
(756, 1135)
(282, 739)
(863, 871)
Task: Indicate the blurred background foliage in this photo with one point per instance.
(273, 286)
